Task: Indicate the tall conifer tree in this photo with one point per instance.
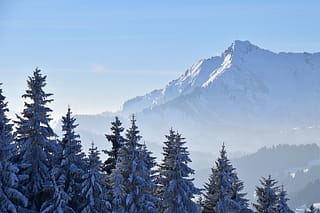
(96, 198)
(267, 198)
(282, 206)
(11, 199)
(68, 169)
(136, 173)
(176, 187)
(223, 191)
(36, 142)
(72, 160)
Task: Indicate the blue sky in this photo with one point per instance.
(98, 54)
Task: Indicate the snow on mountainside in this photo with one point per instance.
(271, 93)
(245, 75)
(248, 97)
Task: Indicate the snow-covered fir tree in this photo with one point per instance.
(151, 164)
(36, 142)
(117, 141)
(267, 198)
(11, 199)
(239, 196)
(223, 190)
(118, 190)
(176, 188)
(59, 203)
(72, 161)
(165, 167)
(148, 173)
(282, 206)
(96, 197)
(68, 169)
(136, 173)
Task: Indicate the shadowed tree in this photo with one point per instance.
(117, 141)
(282, 206)
(267, 198)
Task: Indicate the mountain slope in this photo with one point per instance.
(247, 97)
(245, 75)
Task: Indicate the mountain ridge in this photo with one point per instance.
(206, 73)
(247, 96)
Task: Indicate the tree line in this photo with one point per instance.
(40, 172)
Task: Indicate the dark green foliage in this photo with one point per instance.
(117, 141)
(267, 199)
(282, 206)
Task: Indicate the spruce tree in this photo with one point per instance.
(165, 167)
(36, 142)
(136, 173)
(267, 198)
(72, 162)
(176, 187)
(117, 141)
(68, 169)
(59, 203)
(92, 185)
(118, 190)
(210, 197)
(282, 206)
(238, 196)
(149, 163)
(223, 191)
(11, 199)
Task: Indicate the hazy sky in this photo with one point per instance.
(98, 54)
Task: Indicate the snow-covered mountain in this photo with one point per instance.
(246, 91)
(244, 76)
(247, 97)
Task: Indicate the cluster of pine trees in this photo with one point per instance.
(40, 172)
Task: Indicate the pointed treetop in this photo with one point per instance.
(133, 132)
(133, 119)
(92, 146)
(223, 152)
(2, 99)
(36, 82)
(7, 149)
